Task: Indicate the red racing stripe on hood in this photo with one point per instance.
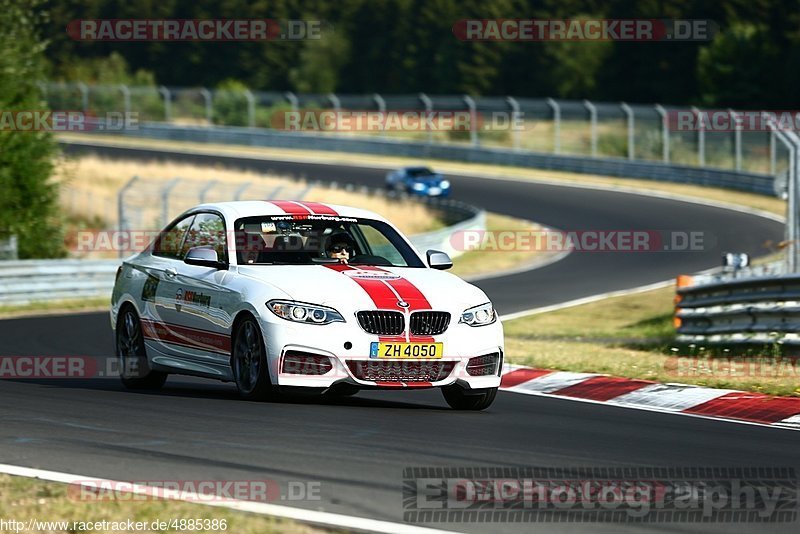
(381, 295)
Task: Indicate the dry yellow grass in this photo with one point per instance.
(90, 185)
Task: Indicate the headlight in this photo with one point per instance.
(444, 184)
(300, 312)
(479, 315)
(419, 187)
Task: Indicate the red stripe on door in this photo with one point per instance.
(186, 337)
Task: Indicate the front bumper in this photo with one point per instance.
(355, 367)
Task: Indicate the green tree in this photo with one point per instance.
(28, 197)
(320, 62)
(731, 71)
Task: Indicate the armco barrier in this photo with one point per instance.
(758, 183)
(753, 310)
(26, 281)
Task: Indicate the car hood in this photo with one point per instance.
(349, 289)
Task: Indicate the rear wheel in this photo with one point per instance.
(469, 399)
(249, 359)
(134, 369)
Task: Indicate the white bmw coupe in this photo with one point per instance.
(302, 296)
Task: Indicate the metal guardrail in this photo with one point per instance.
(26, 281)
(8, 248)
(760, 309)
(620, 167)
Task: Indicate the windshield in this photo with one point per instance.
(319, 239)
(420, 171)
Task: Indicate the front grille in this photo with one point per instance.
(383, 323)
(400, 371)
(483, 365)
(429, 323)
(301, 363)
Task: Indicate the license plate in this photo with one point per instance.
(406, 351)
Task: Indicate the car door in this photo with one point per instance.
(159, 288)
(201, 304)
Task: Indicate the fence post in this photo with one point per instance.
(292, 98)
(251, 108)
(209, 107)
(772, 153)
(473, 120)
(122, 223)
(380, 102)
(701, 139)
(126, 98)
(335, 102)
(514, 105)
(210, 185)
(664, 132)
(238, 194)
(167, 103)
(556, 125)
(84, 89)
(592, 126)
(428, 103)
(631, 140)
(165, 191)
(737, 141)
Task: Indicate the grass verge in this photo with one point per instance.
(632, 336)
(25, 499)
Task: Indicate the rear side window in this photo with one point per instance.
(170, 241)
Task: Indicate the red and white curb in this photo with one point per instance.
(683, 399)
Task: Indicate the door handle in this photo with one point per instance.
(171, 273)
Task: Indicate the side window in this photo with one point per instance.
(208, 230)
(169, 242)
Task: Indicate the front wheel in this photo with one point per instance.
(249, 359)
(134, 369)
(469, 399)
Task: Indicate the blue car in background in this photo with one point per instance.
(420, 181)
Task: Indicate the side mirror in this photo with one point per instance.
(203, 257)
(439, 260)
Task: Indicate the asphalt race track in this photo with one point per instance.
(357, 448)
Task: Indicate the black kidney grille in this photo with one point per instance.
(384, 323)
(429, 323)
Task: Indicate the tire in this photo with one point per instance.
(469, 399)
(249, 362)
(134, 369)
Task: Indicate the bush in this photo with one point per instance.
(28, 197)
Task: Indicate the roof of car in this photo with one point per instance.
(254, 208)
